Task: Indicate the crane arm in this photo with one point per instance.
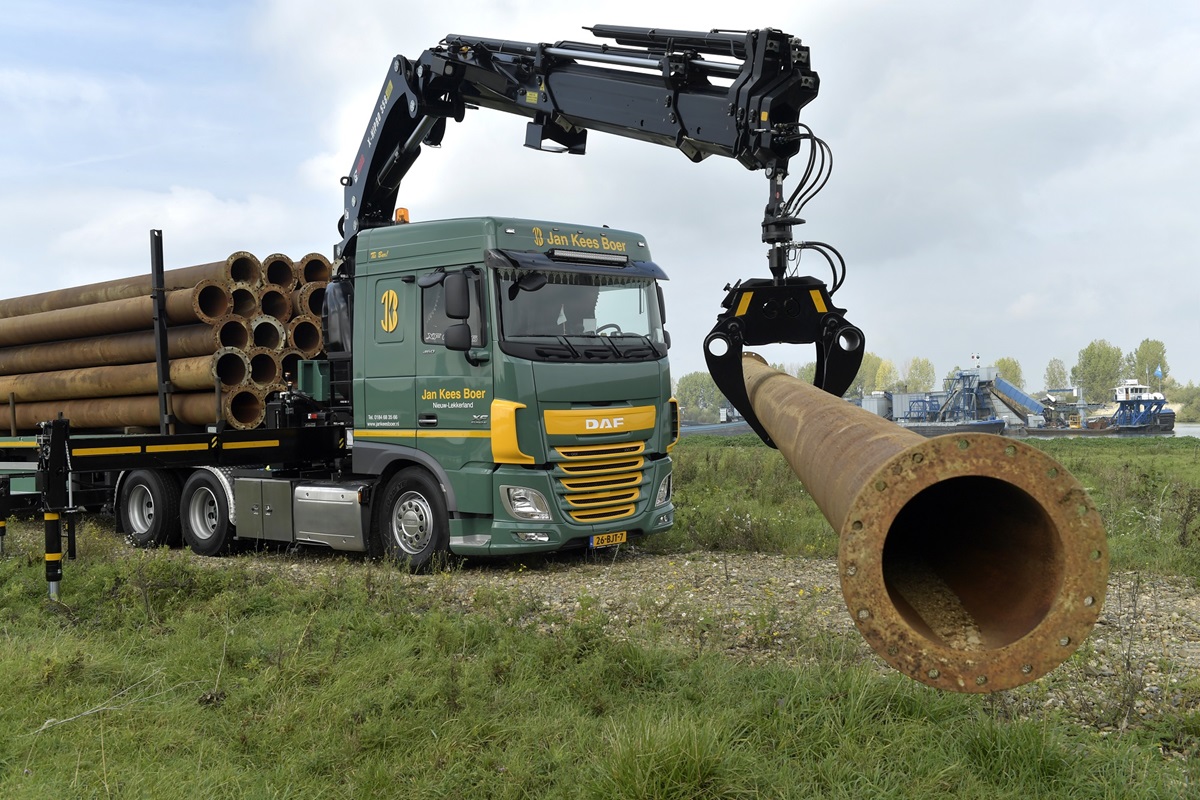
(732, 94)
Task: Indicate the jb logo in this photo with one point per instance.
(390, 304)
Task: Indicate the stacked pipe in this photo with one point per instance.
(236, 328)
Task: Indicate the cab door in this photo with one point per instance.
(389, 366)
(454, 390)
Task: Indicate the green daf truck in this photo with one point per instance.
(516, 374)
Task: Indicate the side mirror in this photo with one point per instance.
(458, 337)
(458, 296)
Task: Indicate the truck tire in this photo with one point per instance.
(411, 524)
(149, 508)
(204, 514)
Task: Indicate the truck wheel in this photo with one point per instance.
(204, 515)
(149, 508)
(411, 523)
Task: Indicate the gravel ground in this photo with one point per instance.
(1142, 660)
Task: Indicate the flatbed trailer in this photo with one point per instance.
(160, 485)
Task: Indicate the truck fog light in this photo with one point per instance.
(663, 519)
(533, 536)
(664, 491)
(521, 502)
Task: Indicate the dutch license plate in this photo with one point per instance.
(608, 539)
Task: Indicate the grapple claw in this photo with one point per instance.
(794, 310)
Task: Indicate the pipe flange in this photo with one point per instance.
(979, 594)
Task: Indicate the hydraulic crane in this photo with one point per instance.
(736, 94)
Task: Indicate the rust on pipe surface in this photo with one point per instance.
(187, 374)
(275, 301)
(970, 562)
(268, 332)
(184, 306)
(192, 408)
(244, 299)
(310, 299)
(244, 408)
(304, 334)
(230, 366)
(122, 348)
(277, 270)
(230, 331)
(312, 268)
(211, 301)
(239, 266)
(265, 367)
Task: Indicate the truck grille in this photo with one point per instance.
(600, 483)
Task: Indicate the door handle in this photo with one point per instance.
(427, 420)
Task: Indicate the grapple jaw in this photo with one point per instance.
(791, 310)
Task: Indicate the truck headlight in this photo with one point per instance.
(521, 502)
(664, 492)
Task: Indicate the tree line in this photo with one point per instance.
(1098, 368)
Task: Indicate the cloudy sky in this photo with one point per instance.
(1011, 179)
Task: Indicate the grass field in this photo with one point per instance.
(162, 676)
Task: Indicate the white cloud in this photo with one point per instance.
(107, 234)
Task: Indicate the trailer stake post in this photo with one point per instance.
(161, 352)
(5, 509)
(54, 467)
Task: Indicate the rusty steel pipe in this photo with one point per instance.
(231, 367)
(310, 299)
(970, 562)
(268, 332)
(265, 366)
(244, 300)
(244, 408)
(184, 306)
(211, 301)
(304, 334)
(239, 266)
(230, 331)
(122, 348)
(312, 268)
(275, 301)
(192, 408)
(187, 374)
(277, 270)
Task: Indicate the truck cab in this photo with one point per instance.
(518, 365)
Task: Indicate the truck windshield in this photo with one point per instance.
(579, 316)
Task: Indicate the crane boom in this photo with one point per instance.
(732, 94)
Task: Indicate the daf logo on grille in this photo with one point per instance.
(604, 423)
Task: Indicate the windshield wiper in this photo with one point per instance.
(567, 350)
(646, 348)
(549, 351)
